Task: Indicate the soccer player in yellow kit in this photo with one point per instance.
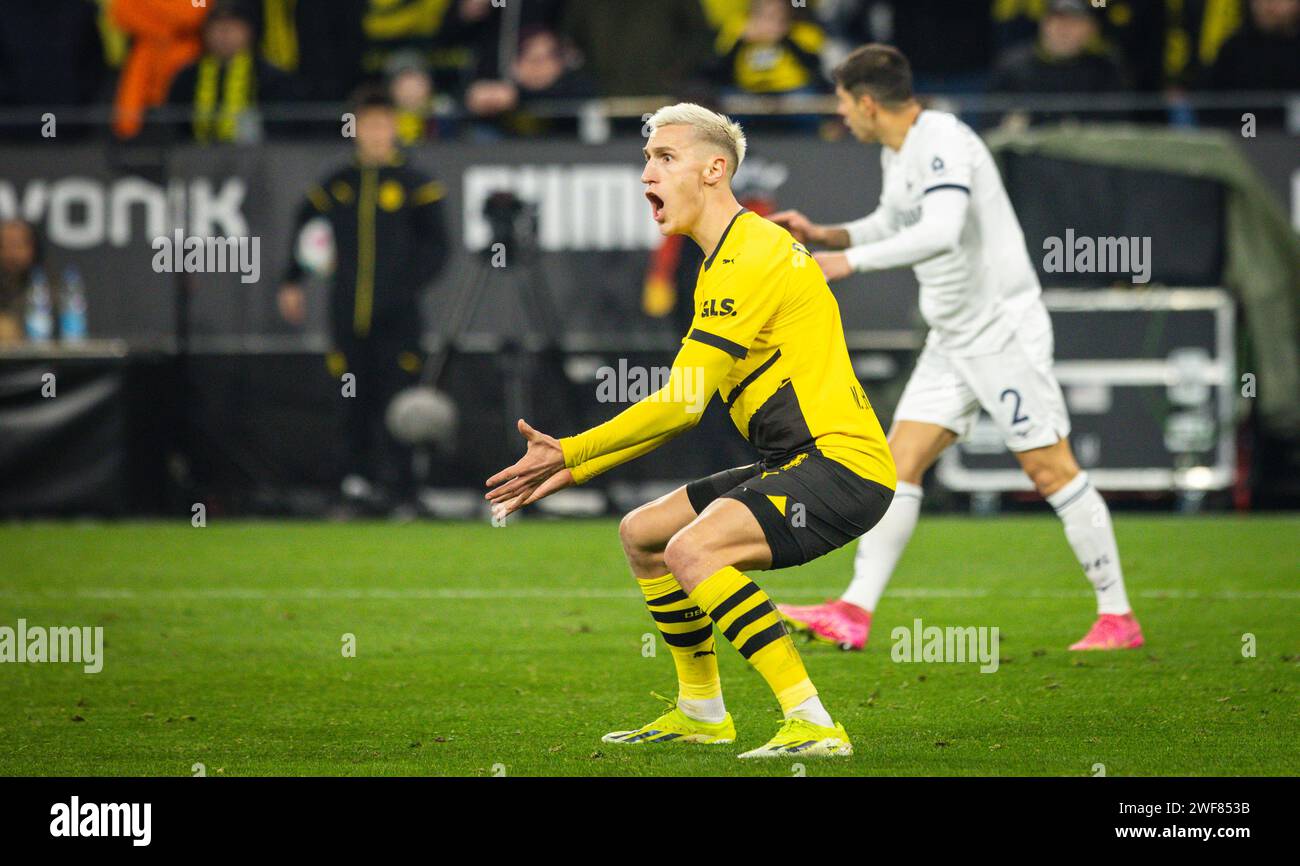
(767, 337)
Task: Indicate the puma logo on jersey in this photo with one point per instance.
(714, 307)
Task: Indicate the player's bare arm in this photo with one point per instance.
(809, 233)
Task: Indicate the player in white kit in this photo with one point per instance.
(944, 212)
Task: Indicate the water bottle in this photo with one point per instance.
(40, 309)
(72, 307)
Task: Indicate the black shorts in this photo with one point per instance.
(807, 507)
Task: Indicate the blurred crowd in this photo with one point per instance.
(234, 70)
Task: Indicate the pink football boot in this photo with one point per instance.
(838, 622)
(1112, 631)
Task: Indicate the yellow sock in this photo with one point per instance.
(688, 631)
(747, 617)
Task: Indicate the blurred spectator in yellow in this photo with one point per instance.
(448, 35)
(227, 84)
(1194, 32)
(114, 39)
(540, 72)
(164, 39)
(722, 14)
(1068, 57)
(392, 26)
(318, 42)
(411, 88)
(770, 51)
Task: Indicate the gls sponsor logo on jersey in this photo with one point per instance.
(712, 308)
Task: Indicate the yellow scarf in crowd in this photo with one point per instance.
(234, 89)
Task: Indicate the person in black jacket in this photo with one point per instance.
(225, 88)
(1068, 57)
(539, 74)
(1264, 56)
(390, 241)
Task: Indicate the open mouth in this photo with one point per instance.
(656, 206)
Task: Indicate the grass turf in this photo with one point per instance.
(484, 651)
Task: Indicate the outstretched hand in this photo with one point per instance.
(526, 481)
(805, 231)
(558, 481)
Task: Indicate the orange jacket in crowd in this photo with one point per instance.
(164, 39)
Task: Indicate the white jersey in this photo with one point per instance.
(944, 211)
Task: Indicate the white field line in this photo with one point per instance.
(516, 593)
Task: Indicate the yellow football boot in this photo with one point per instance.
(801, 737)
(675, 726)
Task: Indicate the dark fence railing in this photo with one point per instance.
(595, 117)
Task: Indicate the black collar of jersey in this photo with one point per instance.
(723, 239)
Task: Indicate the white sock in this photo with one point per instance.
(812, 710)
(1091, 535)
(709, 710)
(879, 550)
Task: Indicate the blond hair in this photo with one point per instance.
(713, 128)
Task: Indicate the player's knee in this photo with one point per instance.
(910, 467)
(1048, 476)
(634, 532)
(682, 557)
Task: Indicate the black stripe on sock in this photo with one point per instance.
(671, 598)
(773, 632)
(734, 599)
(750, 616)
(690, 639)
(1067, 503)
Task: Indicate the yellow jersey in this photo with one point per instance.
(762, 298)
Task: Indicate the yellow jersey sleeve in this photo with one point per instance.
(584, 472)
(677, 406)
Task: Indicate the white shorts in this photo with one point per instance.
(1015, 385)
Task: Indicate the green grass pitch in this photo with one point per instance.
(483, 651)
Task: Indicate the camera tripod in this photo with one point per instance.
(513, 255)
